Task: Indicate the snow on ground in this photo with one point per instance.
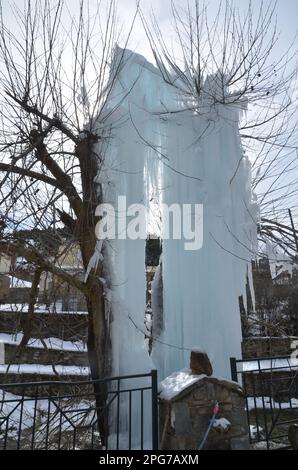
(263, 445)
(254, 431)
(222, 424)
(22, 417)
(279, 262)
(11, 412)
(276, 364)
(43, 369)
(39, 308)
(51, 343)
(269, 403)
(177, 382)
(16, 282)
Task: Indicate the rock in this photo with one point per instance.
(181, 418)
(185, 415)
(200, 363)
(293, 436)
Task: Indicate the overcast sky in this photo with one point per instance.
(286, 10)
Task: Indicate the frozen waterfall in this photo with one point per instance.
(201, 287)
(193, 155)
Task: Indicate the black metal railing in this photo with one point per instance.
(71, 415)
(271, 391)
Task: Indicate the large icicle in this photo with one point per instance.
(123, 174)
(201, 288)
(194, 157)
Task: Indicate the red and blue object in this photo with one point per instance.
(211, 422)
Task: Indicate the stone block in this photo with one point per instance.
(200, 363)
(226, 407)
(183, 422)
(192, 411)
(199, 394)
(237, 418)
(238, 402)
(210, 391)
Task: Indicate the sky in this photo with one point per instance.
(286, 17)
(286, 12)
(287, 26)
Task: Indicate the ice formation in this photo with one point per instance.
(175, 383)
(123, 173)
(201, 287)
(193, 153)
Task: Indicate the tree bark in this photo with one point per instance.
(30, 314)
(85, 233)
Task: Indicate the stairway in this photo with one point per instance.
(56, 351)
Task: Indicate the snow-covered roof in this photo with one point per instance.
(270, 364)
(175, 383)
(43, 369)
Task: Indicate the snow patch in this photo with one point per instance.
(177, 382)
(39, 308)
(43, 369)
(269, 403)
(222, 424)
(270, 364)
(51, 343)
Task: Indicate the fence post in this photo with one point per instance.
(233, 364)
(154, 394)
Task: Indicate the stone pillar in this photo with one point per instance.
(187, 402)
(200, 363)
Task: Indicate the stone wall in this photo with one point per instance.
(184, 420)
(29, 355)
(284, 383)
(268, 346)
(70, 327)
(281, 385)
(186, 410)
(18, 295)
(4, 287)
(46, 388)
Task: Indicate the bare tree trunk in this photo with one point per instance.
(30, 314)
(97, 352)
(29, 317)
(97, 327)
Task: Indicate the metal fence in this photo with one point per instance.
(271, 391)
(72, 415)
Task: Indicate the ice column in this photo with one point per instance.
(206, 165)
(128, 129)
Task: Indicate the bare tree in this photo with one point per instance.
(241, 52)
(55, 78)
